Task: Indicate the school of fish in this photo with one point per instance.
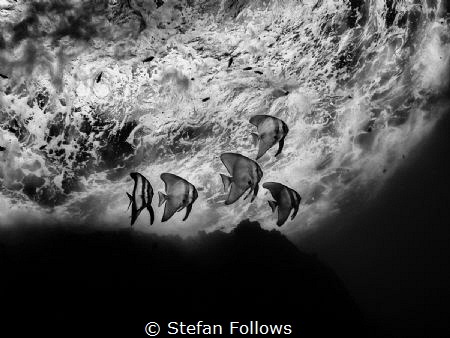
(245, 175)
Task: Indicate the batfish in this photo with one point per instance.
(179, 194)
(141, 197)
(245, 174)
(285, 198)
(271, 130)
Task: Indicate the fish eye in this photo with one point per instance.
(249, 182)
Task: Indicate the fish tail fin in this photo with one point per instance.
(273, 205)
(255, 138)
(131, 200)
(162, 198)
(226, 180)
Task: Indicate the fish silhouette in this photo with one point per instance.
(271, 130)
(141, 197)
(150, 58)
(245, 174)
(286, 199)
(179, 194)
(99, 77)
(230, 62)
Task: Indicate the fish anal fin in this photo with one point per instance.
(152, 214)
(169, 209)
(283, 214)
(235, 194)
(280, 148)
(188, 211)
(263, 147)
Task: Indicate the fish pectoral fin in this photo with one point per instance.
(188, 211)
(152, 213)
(255, 138)
(162, 198)
(273, 205)
(249, 193)
(280, 148)
(226, 180)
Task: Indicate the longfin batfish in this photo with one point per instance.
(179, 194)
(245, 174)
(286, 199)
(271, 130)
(141, 197)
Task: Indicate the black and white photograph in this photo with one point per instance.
(225, 168)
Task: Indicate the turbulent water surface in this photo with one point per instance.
(359, 84)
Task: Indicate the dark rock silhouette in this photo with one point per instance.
(114, 281)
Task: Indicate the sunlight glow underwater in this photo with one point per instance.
(358, 87)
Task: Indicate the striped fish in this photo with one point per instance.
(179, 194)
(271, 130)
(245, 174)
(286, 199)
(141, 197)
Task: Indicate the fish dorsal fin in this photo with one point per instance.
(136, 175)
(170, 180)
(274, 188)
(257, 119)
(229, 160)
